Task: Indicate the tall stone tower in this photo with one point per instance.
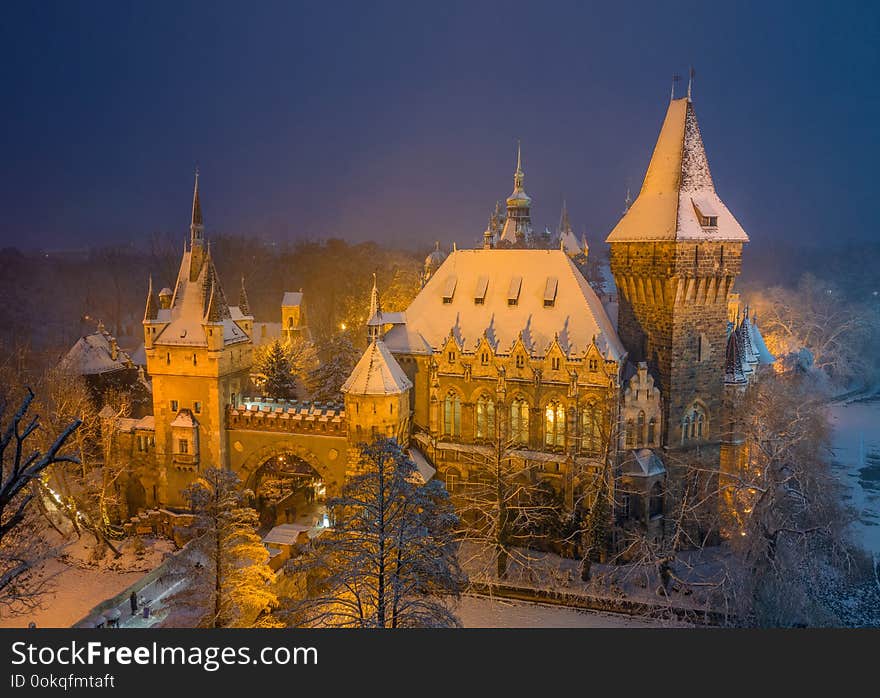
(199, 354)
(675, 255)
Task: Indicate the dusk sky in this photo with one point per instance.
(398, 121)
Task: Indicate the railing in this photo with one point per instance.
(298, 418)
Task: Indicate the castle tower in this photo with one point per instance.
(377, 393)
(675, 255)
(517, 228)
(199, 356)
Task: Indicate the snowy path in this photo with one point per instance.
(483, 612)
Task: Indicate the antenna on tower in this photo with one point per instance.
(675, 78)
(691, 82)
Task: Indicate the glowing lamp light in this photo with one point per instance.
(342, 327)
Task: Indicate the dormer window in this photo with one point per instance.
(554, 363)
(594, 365)
(550, 292)
(513, 290)
(520, 361)
(706, 213)
(480, 293)
(484, 358)
(451, 356)
(449, 290)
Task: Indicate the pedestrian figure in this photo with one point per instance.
(133, 601)
(32, 625)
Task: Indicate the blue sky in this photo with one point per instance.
(398, 121)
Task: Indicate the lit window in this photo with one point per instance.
(519, 421)
(594, 365)
(590, 428)
(451, 357)
(554, 425)
(484, 358)
(174, 405)
(520, 361)
(183, 446)
(485, 417)
(554, 363)
(197, 407)
(452, 415)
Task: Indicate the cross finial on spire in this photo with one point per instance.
(518, 155)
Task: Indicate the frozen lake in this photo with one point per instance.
(856, 444)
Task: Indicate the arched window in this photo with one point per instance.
(652, 431)
(630, 433)
(590, 428)
(519, 421)
(452, 414)
(640, 429)
(554, 425)
(695, 425)
(485, 417)
(655, 503)
(290, 322)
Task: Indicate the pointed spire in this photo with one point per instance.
(197, 226)
(213, 312)
(243, 304)
(518, 176)
(374, 323)
(733, 369)
(152, 311)
(564, 224)
(627, 202)
(691, 82)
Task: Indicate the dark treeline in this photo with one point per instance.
(51, 299)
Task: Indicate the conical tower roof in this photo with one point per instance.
(678, 199)
(377, 373)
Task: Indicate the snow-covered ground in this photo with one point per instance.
(483, 612)
(80, 582)
(856, 446)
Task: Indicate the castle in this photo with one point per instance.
(506, 342)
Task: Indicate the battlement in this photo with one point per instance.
(287, 416)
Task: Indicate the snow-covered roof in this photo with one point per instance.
(265, 332)
(643, 463)
(575, 315)
(139, 356)
(184, 419)
(147, 423)
(423, 467)
(377, 373)
(291, 299)
(93, 355)
(285, 534)
(678, 189)
(570, 243)
(197, 301)
(763, 353)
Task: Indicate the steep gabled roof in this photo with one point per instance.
(377, 373)
(574, 314)
(678, 189)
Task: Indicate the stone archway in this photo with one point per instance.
(289, 485)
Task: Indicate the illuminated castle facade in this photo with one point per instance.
(505, 343)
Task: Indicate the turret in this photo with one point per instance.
(518, 224)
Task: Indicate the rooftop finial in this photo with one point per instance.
(196, 223)
(627, 202)
(691, 82)
(518, 175)
(675, 78)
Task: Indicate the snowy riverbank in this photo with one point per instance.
(856, 446)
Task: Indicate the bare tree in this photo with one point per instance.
(21, 548)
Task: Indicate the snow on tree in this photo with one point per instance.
(793, 561)
(22, 546)
(278, 377)
(390, 561)
(338, 357)
(230, 585)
